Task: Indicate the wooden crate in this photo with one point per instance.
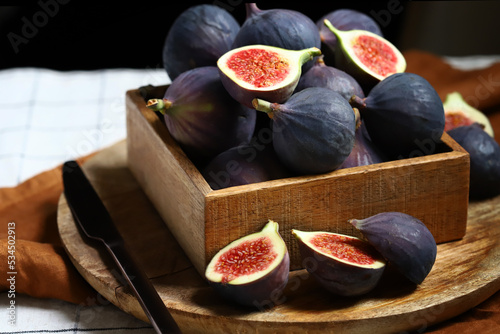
(433, 188)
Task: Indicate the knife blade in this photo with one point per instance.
(95, 221)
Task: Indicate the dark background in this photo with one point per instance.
(78, 35)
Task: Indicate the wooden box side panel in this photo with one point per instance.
(435, 191)
(167, 177)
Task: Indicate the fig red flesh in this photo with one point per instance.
(344, 248)
(246, 258)
(383, 61)
(342, 264)
(262, 71)
(259, 67)
(252, 270)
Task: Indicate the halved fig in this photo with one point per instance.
(459, 113)
(403, 240)
(262, 71)
(343, 19)
(366, 56)
(344, 265)
(253, 270)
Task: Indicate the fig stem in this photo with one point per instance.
(357, 117)
(308, 54)
(264, 106)
(331, 27)
(251, 9)
(160, 105)
(357, 102)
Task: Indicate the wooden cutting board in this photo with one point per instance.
(466, 272)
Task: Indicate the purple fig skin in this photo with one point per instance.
(322, 75)
(337, 277)
(313, 131)
(203, 118)
(404, 116)
(343, 19)
(484, 155)
(198, 37)
(364, 152)
(263, 293)
(284, 28)
(403, 240)
(244, 164)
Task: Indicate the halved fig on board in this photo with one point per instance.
(366, 56)
(403, 240)
(344, 265)
(253, 270)
(262, 71)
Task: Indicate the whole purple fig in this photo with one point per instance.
(364, 151)
(403, 240)
(198, 37)
(244, 164)
(313, 131)
(404, 115)
(322, 75)
(484, 153)
(201, 116)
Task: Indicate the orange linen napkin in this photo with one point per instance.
(41, 267)
(44, 270)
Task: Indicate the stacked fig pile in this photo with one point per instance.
(282, 95)
(336, 93)
(359, 109)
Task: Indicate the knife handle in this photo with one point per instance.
(154, 307)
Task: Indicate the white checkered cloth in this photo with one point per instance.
(48, 117)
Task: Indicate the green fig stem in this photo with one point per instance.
(308, 54)
(265, 106)
(332, 28)
(357, 102)
(160, 105)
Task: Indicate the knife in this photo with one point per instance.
(90, 213)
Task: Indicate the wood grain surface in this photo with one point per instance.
(466, 272)
(433, 188)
